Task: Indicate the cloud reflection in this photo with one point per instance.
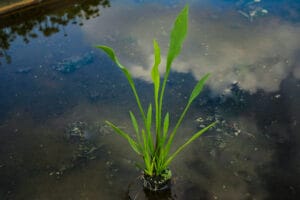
(256, 55)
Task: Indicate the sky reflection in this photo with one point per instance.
(257, 55)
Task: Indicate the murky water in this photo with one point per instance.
(57, 90)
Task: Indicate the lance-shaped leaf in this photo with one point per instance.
(148, 128)
(177, 36)
(195, 136)
(196, 91)
(155, 72)
(110, 52)
(156, 82)
(166, 125)
(136, 127)
(165, 131)
(198, 88)
(132, 143)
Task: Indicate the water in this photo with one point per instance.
(57, 90)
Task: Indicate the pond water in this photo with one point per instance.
(56, 91)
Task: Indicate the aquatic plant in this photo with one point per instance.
(155, 148)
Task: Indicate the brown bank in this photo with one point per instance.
(20, 5)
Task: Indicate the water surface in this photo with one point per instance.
(53, 80)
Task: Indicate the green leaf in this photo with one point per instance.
(110, 52)
(162, 141)
(147, 162)
(146, 156)
(195, 136)
(156, 82)
(196, 91)
(155, 72)
(149, 117)
(134, 122)
(135, 126)
(177, 36)
(132, 143)
(198, 88)
(145, 147)
(148, 128)
(166, 125)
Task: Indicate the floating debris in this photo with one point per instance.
(277, 96)
(79, 133)
(251, 9)
(74, 63)
(223, 128)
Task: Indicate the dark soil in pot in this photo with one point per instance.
(177, 189)
(155, 183)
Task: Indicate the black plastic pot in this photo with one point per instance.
(178, 188)
(156, 183)
(150, 188)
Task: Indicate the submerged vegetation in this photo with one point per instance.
(155, 148)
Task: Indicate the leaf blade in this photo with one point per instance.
(111, 53)
(131, 142)
(136, 127)
(148, 128)
(198, 88)
(156, 82)
(183, 146)
(195, 92)
(177, 36)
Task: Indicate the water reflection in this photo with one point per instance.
(257, 55)
(254, 95)
(46, 19)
